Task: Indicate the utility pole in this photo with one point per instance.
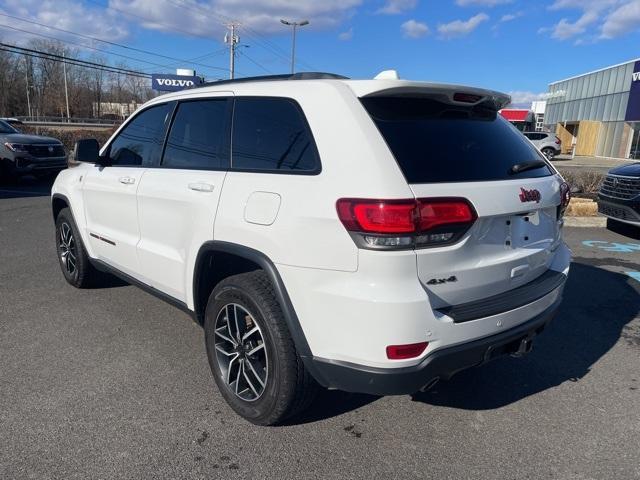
(232, 39)
(66, 91)
(295, 25)
(26, 78)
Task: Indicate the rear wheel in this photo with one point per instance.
(251, 353)
(549, 153)
(73, 258)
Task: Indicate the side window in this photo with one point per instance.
(197, 136)
(140, 142)
(271, 134)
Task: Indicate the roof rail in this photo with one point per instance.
(286, 76)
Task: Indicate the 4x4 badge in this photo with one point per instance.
(440, 281)
(530, 195)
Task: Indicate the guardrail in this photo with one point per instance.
(64, 125)
(75, 121)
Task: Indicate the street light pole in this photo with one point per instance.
(295, 25)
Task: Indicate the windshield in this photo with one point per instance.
(435, 142)
(6, 128)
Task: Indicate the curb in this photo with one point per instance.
(600, 222)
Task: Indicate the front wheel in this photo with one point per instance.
(73, 258)
(251, 353)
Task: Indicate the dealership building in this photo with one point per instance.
(598, 113)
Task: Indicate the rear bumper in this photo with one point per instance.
(441, 364)
(627, 211)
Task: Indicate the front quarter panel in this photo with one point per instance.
(68, 184)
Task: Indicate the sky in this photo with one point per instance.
(515, 46)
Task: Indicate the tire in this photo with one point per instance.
(265, 385)
(73, 258)
(549, 153)
(8, 175)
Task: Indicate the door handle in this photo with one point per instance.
(201, 187)
(127, 180)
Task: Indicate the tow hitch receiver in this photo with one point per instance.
(526, 344)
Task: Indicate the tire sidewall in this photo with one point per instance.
(76, 279)
(258, 410)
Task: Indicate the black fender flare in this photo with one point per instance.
(59, 196)
(265, 263)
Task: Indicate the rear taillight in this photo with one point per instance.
(565, 198)
(558, 141)
(396, 224)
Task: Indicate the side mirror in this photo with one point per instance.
(87, 150)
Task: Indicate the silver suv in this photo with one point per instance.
(546, 142)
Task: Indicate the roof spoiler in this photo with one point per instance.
(451, 94)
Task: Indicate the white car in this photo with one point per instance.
(373, 236)
(548, 143)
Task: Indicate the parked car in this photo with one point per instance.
(372, 236)
(619, 195)
(548, 143)
(12, 121)
(22, 154)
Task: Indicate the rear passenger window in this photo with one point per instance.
(271, 134)
(140, 141)
(197, 136)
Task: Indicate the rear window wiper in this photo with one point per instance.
(524, 166)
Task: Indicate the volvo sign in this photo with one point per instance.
(174, 83)
(633, 106)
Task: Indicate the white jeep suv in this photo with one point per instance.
(371, 236)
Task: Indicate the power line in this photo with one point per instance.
(26, 54)
(83, 46)
(108, 42)
(69, 60)
(199, 57)
(244, 54)
(170, 27)
(251, 33)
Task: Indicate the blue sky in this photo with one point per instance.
(517, 46)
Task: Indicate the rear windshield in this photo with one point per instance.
(437, 142)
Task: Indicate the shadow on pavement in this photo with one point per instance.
(597, 306)
(331, 403)
(28, 186)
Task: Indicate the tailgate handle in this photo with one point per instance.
(519, 271)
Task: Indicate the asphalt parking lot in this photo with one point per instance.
(113, 383)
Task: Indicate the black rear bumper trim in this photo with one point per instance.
(441, 364)
(509, 300)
